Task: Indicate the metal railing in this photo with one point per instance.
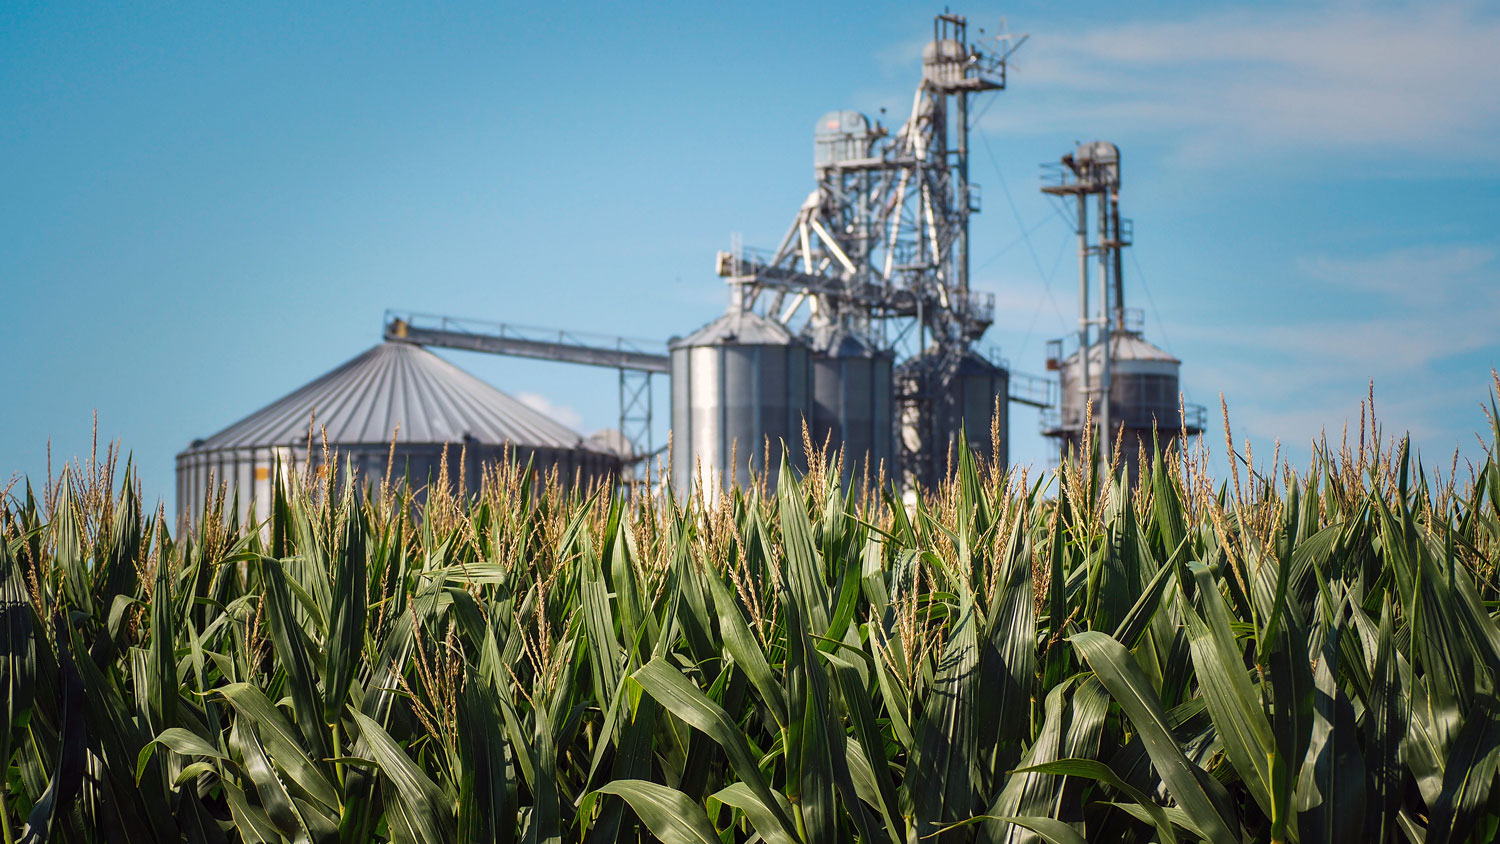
(1034, 390)
(527, 341)
(1168, 420)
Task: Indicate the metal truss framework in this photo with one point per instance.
(881, 245)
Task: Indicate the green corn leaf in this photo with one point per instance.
(1122, 678)
(599, 629)
(1232, 701)
(1138, 620)
(820, 744)
(1385, 725)
(804, 567)
(1008, 665)
(1050, 830)
(1166, 504)
(284, 743)
(346, 635)
(186, 743)
(944, 761)
(428, 812)
(1174, 815)
(1096, 770)
(672, 816)
(291, 646)
(1029, 792)
(761, 816)
(680, 697)
(71, 758)
(546, 815)
(164, 686)
(485, 812)
(252, 822)
(1331, 788)
(1469, 775)
(632, 762)
(274, 796)
(746, 651)
(869, 741)
(140, 810)
(18, 665)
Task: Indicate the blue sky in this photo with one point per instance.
(205, 206)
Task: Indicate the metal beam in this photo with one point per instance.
(539, 344)
(1033, 390)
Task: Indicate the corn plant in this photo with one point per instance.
(1273, 657)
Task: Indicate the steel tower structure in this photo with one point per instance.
(1130, 386)
(880, 248)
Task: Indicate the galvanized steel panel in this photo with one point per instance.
(744, 380)
(395, 391)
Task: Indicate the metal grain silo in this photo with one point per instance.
(740, 384)
(393, 392)
(941, 398)
(852, 402)
(1144, 395)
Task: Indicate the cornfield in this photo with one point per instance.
(1276, 656)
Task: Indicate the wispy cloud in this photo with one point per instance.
(1418, 275)
(1428, 350)
(558, 412)
(1358, 81)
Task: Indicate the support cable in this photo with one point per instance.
(1013, 244)
(1030, 247)
(1161, 326)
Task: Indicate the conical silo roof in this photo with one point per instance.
(396, 384)
(837, 341)
(738, 326)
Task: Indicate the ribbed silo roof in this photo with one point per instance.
(396, 384)
(1129, 346)
(741, 327)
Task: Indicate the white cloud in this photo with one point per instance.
(558, 412)
(1416, 275)
(1364, 82)
(1447, 298)
(1298, 378)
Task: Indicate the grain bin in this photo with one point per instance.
(1144, 397)
(939, 399)
(741, 386)
(396, 403)
(852, 402)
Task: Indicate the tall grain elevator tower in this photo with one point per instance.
(1109, 356)
(873, 278)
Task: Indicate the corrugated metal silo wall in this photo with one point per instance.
(732, 405)
(852, 410)
(979, 391)
(247, 474)
(985, 398)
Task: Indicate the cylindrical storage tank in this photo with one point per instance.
(741, 387)
(397, 410)
(852, 403)
(1144, 395)
(940, 399)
